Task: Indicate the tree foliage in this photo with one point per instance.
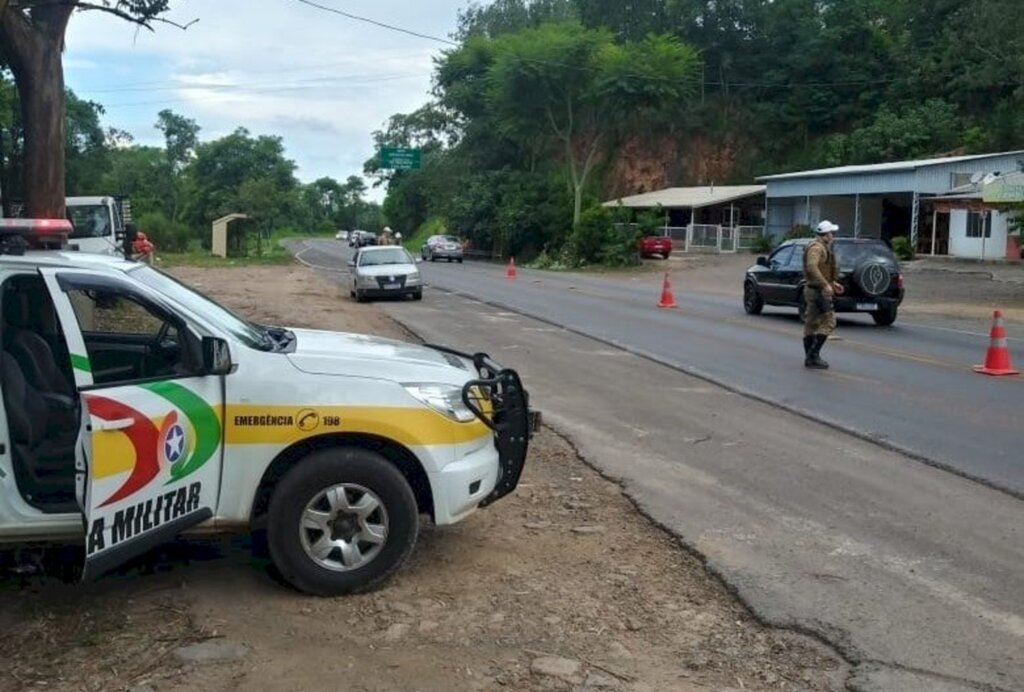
(676, 92)
(32, 41)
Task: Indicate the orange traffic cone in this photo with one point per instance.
(997, 359)
(510, 271)
(667, 299)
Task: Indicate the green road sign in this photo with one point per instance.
(400, 159)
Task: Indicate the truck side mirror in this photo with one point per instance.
(216, 356)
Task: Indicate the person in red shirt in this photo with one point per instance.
(142, 249)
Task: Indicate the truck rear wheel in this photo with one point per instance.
(341, 521)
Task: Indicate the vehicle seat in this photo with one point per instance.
(43, 453)
(25, 309)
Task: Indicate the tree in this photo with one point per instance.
(181, 137)
(222, 166)
(32, 36)
(87, 157)
(140, 173)
(579, 87)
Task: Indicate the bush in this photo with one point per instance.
(902, 248)
(762, 245)
(166, 235)
(586, 241)
(800, 230)
(619, 248)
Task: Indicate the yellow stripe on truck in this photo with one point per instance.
(284, 425)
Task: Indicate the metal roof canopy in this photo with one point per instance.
(924, 176)
(688, 197)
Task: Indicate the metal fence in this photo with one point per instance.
(711, 237)
(746, 236)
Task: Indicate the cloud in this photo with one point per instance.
(321, 81)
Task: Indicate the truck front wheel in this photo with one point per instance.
(341, 521)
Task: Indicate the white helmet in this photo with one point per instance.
(826, 227)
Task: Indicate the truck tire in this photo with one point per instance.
(341, 521)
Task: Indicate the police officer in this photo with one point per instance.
(821, 274)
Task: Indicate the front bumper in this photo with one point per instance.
(447, 254)
(500, 401)
(391, 292)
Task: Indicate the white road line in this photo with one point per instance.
(298, 255)
(957, 331)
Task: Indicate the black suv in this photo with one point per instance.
(867, 270)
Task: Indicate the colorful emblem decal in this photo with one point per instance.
(182, 445)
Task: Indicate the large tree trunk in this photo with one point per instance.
(33, 47)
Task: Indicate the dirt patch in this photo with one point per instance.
(562, 585)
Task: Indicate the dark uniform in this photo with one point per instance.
(820, 272)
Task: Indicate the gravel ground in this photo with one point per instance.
(562, 585)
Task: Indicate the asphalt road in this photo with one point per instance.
(909, 386)
(914, 574)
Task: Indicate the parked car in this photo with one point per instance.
(868, 270)
(446, 247)
(653, 245)
(383, 272)
(341, 235)
(135, 409)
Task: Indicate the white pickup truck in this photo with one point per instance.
(134, 408)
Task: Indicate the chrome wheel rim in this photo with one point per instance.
(344, 527)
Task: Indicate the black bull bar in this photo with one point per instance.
(497, 397)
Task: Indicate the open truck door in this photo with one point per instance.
(152, 394)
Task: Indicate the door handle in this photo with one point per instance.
(110, 425)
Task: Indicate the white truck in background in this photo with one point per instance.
(98, 224)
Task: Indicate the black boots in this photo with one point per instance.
(812, 351)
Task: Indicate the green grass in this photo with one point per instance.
(205, 259)
(432, 226)
(274, 252)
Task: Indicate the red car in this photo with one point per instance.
(651, 245)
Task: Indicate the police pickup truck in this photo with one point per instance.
(134, 409)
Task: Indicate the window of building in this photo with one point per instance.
(979, 224)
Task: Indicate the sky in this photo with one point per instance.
(321, 81)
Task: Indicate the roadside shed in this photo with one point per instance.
(880, 200)
(720, 218)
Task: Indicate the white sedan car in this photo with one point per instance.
(382, 271)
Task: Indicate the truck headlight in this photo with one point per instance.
(443, 398)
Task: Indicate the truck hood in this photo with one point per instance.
(360, 355)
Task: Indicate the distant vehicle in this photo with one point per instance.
(868, 270)
(651, 245)
(446, 247)
(361, 239)
(341, 235)
(384, 272)
(98, 225)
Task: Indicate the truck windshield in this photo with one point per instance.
(205, 308)
(91, 221)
